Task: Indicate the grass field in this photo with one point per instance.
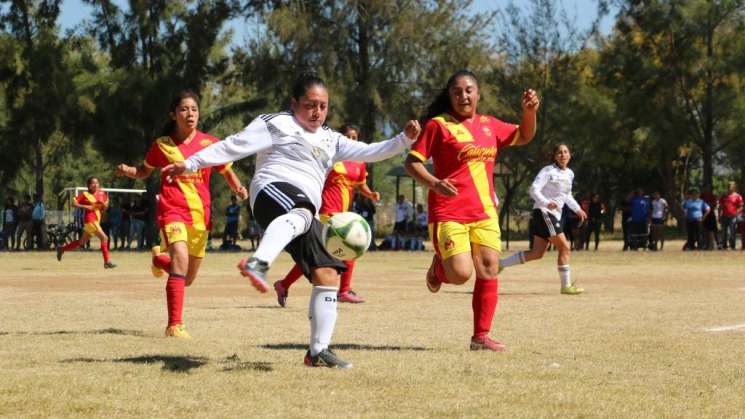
(76, 340)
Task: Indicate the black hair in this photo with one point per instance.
(305, 82)
(556, 150)
(441, 103)
(90, 179)
(170, 126)
(349, 127)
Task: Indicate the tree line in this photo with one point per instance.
(655, 103)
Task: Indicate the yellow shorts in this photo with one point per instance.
(92, 228)
(196, 240)
(451, 237)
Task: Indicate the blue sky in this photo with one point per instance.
(584, 11)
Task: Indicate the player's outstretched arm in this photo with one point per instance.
(356, 150)
(529, 123)
(133, 172)
(416, 169)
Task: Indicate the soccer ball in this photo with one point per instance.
(347, 236)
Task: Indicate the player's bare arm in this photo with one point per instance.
(368, 193)
(415, 168)
(528, 125)
(133, 172)
(235, 184)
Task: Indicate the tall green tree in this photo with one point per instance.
(40, 97)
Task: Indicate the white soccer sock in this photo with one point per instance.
(564, 274)
(513, 259)
(281, 231)
(322, 316)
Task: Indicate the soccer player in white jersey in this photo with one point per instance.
(551, 190)
(295, 151)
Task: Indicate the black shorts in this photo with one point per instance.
(544, 225)
(307, 250)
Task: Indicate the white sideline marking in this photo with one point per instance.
(726, 328)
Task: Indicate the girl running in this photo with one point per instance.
(551, 190)
(92, 203)
(463, 223)
(184, 206)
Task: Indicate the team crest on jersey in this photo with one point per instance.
(205, 143)
(484, 119)
(315, 151)
(487, 131)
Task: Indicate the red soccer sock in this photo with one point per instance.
(105, 251)
(440, 271)
(484, 303)
(346, 277)
(175, 298)
(71, 246)
(292, 276)
(162, 261)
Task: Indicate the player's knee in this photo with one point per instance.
(328, 277)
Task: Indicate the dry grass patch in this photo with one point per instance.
(76, 340)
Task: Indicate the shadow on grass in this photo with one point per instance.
(272, 307)
(176, 363)
(109, 331)
(171, 363)
(234, 363)
(345, 346)
(500, 294)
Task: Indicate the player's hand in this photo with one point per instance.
(174, 169)
(412, 129)
(445, 187)
(375, 196)
(124, 170)
(530, 101)
(242, 193)
(581, 214)
(552, 205)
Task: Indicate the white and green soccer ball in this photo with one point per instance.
(347, 236)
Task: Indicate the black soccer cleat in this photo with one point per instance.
(325, 358)
(109, 265)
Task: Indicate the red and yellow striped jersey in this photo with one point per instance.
(87, 198)
(464, 151)
(187, 197)
(339, 187)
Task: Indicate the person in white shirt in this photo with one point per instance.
(551, 190)
(295, 151)
(404, 212)
(659, 213)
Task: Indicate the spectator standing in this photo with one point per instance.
(659, 214)
(730, 206)
(402, 227)
(24, 223)
(232, 218)
(625, 206)
(710, 229)
(137, 213)
(695, 209)
(640, 215)
(38, 215)
(253, 229)
(115, 221)
(595, 213)
(10, 221)
(126, 223)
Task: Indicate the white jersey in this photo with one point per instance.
(553, 184)
(286, 152)
(658, 208)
